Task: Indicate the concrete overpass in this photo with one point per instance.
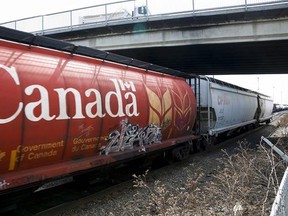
(231, 41)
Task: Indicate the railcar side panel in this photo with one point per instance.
(232, 107)
(62, 113)
(266, 108)
(224, 107)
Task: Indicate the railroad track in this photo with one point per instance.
(59, 199)
(50, 199)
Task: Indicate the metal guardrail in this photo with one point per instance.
(71, 19)
(280, 204)
(277, 150)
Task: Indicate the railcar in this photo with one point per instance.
(224, 107)
(67, 109)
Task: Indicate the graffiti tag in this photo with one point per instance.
(3, 184)
(131, 136)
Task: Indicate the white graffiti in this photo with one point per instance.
(3, 184)
(85, 131)
(130, 137)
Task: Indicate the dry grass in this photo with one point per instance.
(282, 133)
(244, 183)
(283, 122)
(248, 179)
(165, 200)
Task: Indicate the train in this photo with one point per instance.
(279, 107)
(68, 109)
(225, 108)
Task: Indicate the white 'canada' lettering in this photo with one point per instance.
(92, 109)
(12, 72)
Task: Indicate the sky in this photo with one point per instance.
(275, 85)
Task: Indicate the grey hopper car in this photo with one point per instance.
(224, 107)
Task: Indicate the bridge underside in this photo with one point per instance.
(265, 57)
(261, 47)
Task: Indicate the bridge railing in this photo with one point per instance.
(122, 11)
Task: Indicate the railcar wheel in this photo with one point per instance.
(197, 145)
(181, 152)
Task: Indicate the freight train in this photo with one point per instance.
(69, 109)
(225, 108)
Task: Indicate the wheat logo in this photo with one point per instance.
(183, 104)
(160, 107)
(2, 155)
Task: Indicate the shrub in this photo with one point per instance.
(247, 179)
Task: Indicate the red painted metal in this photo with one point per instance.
(62, 113)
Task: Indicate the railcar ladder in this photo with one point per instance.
(194, 82)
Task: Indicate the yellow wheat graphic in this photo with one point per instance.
(160, 111)
(183, 108)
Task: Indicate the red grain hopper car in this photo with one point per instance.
(66, 109)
